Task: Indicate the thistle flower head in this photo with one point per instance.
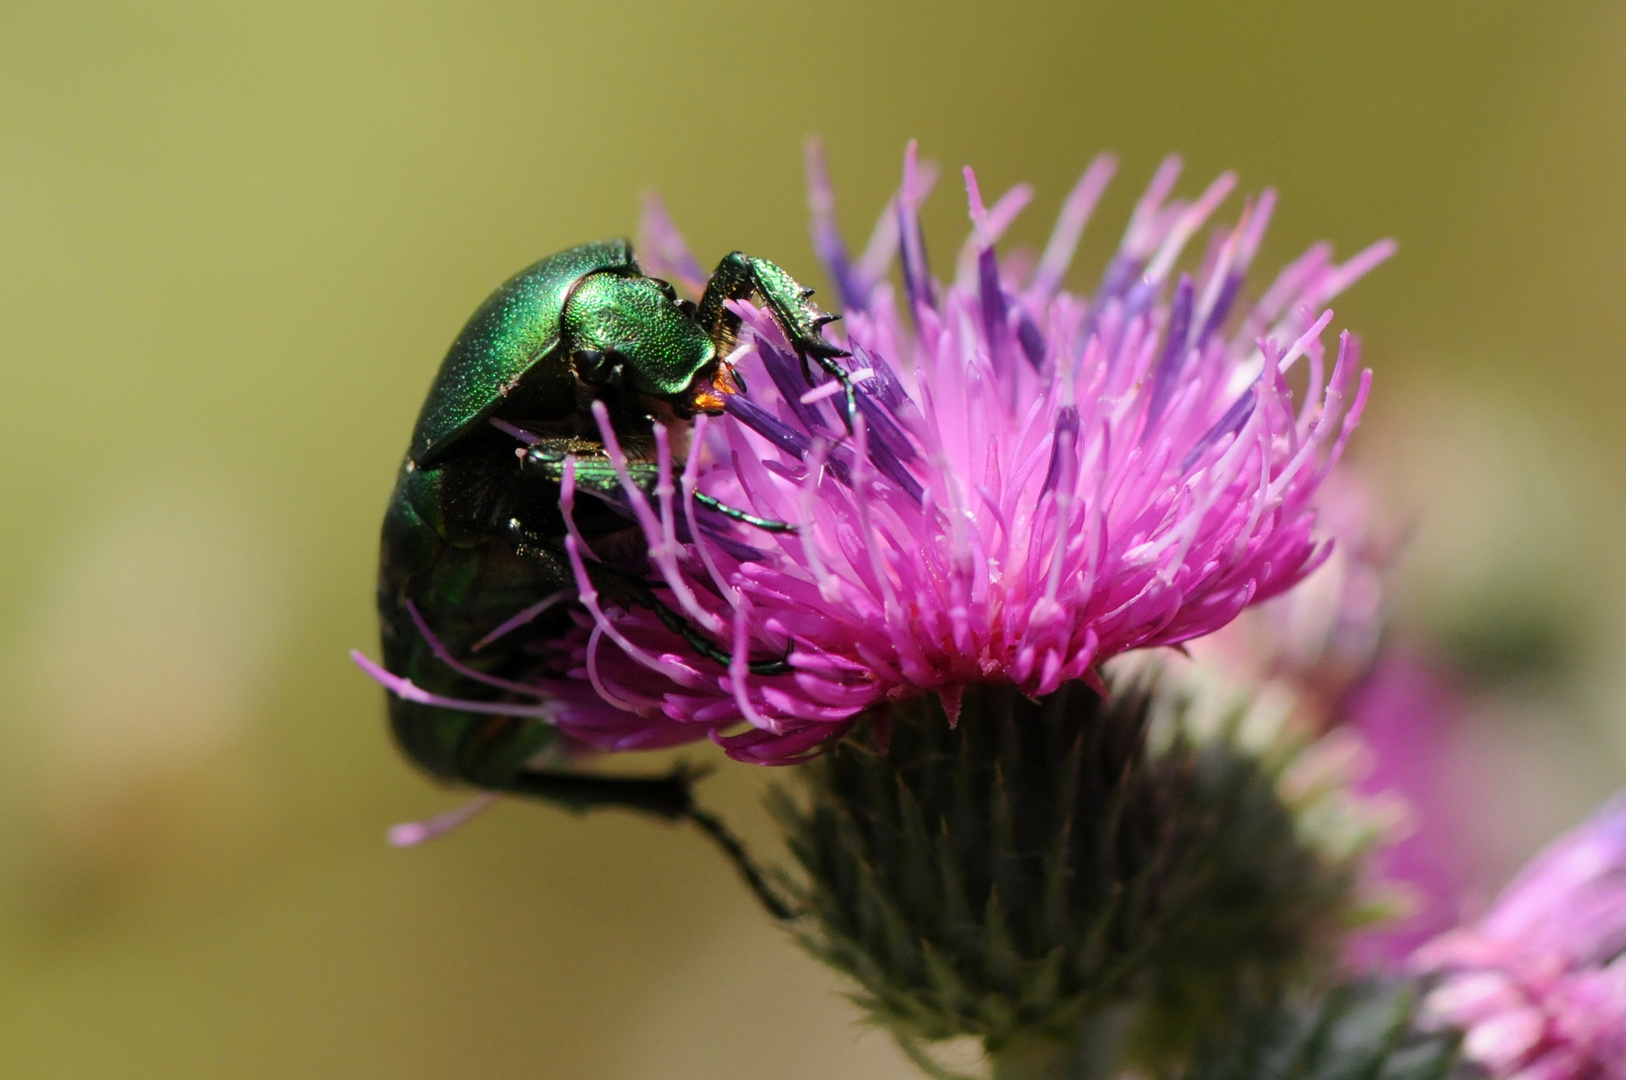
(1028, 482)
(1539, 984)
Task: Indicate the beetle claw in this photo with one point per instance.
(824, 350)
(778, 666)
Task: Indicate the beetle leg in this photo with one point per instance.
(624, 590)
(595, 474)
(755, 879)
(670, 797)
(765, 524)
(667, 796)
(738, 277)
(697, 641)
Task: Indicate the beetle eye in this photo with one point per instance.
(598, 367)
(591, 365)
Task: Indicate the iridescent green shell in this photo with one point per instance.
(514, 330)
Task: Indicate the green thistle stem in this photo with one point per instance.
(1032, 1059)
(1093, 1053)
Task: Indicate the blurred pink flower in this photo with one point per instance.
(1405, 711)
(1539, 984)
(1032, 481)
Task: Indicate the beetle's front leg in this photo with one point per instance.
(625, 590)
(738, 277)
(596, 474)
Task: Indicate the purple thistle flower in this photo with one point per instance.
(1032, 481)
(1538, 985)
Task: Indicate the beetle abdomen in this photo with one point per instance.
(461, 584)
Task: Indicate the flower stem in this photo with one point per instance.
(1032, 1059)
(1091, 1054)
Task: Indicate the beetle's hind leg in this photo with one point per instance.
(734, 850)
(670, 797)
(738, 277)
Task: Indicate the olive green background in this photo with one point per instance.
(237, 240)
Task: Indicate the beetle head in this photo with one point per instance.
(631, 330)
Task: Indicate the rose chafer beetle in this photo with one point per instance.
(474, 532)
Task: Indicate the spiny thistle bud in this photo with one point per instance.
(997, 877)
(1025, 872)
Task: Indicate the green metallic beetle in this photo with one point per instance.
(474, 533)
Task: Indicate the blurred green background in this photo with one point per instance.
(238, 239)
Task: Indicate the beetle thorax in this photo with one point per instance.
(633, 331)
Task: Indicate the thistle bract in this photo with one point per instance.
(1022, 483)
